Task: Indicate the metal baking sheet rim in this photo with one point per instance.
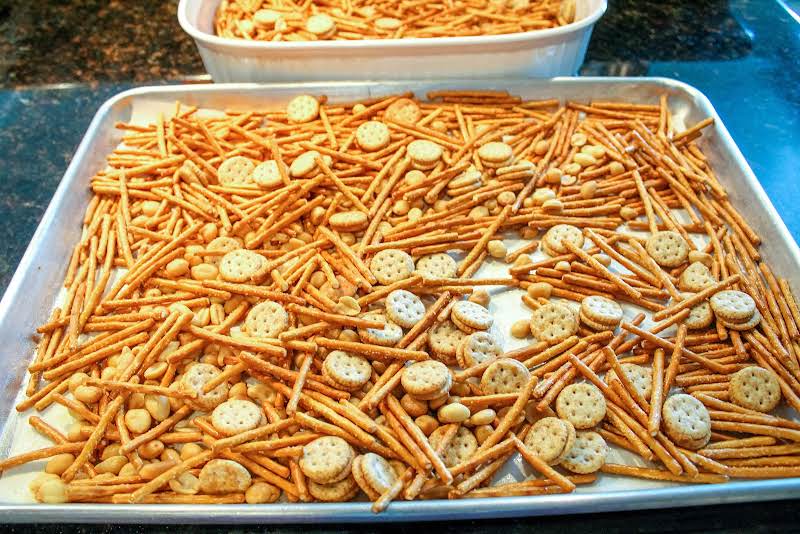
(574, 503)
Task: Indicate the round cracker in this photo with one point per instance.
(601, 310)
(477, 348)
(581, 404)
(438, 265)
(404, 308)
(341, 491)
(755, 388)
(403, 109)
(194, 380)
(242, 265)
(444, 338)
(550, 438)
(667, 248)
(378, 473)
(506, 375)
(327, 459)
(462, 447)
(372, 136)
(267, 175)
(235, 416)
(427, 379)
(391, 265)
(223, 476)
(640, 377)
(266, 319)
(388, 336)
(349, 371)
(424, 154)
(472, 315)
(587, 454)
(733, 306)
(237, 170)
(348, 221)
(686, 421)
(554, 237)
(302, 108)
(695, 278)
(553, 323)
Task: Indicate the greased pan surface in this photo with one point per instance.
(35, 286)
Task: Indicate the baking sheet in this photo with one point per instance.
(35, 288)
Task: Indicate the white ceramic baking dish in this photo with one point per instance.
(534, 54)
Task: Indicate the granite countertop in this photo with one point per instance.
(60, 59)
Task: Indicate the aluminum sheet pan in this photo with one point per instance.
(36, 284)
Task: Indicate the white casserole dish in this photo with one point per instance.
(534, 54)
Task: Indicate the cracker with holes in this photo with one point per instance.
(462, 447)
(348, 221)
(438, 265)
(194, 380)
(424, 154)
(695, 278)
(552, 242)
(404, 308)
(755, 388)
(472, 315)
(601, 310)
(506, 375)
(321, 25)
(266, 319)
(427, 380)
(686, 421)
(221, 244)
(237, 170)
(640, 377)
(304, 165)
(667, 248)
(754, 321)
(403, 110)
(361, 480)
(495, 154)
(581, 404)
(267, 174)
(388, 336)
(341, 491)
(302, 108)
(477, 348)
(219, 476)
(700, 316)
(733, 306)
(347, 371)
(443, 340)
(587, 454)
(551, 439)
(391, 265)
(553, 323)
(235, 416)
(372, 136)
(242, 265)
(378, 473)
(327, 459)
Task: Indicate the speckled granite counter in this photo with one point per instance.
(60, 59)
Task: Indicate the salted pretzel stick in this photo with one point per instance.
(542, 467)
(602, 270)
(511, 416)
(420, 438)
(110, 412)
(658, 474)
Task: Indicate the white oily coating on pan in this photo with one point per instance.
(197, 316)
